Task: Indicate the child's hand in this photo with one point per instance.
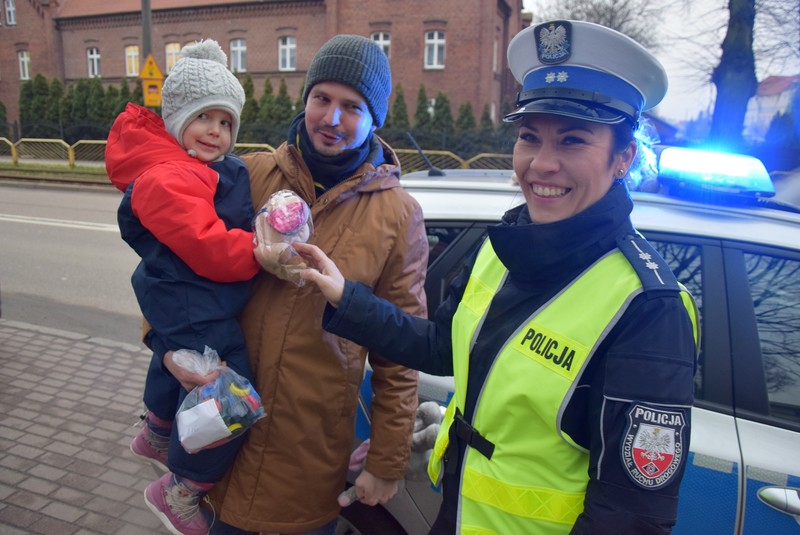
(188, 379)
(281, 260)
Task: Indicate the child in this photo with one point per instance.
(187, 212)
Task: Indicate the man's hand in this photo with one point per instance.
(369, 490)
(188, 379)
(322, 272)
(426, 427)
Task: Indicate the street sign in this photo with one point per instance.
(152, 80)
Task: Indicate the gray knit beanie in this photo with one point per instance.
(199, 81)
(358, 62)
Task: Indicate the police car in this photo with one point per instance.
(738, 252)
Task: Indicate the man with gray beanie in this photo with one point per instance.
(187, 213)
(293, 464)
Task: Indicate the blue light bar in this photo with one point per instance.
(710, 171)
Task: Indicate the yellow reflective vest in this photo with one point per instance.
(522, 473)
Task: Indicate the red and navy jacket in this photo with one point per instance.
(190, 222)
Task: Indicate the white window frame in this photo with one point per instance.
(434, 49)
(11, 13)
(24, 59)
(172, 51)
(238, 55)
(287, 53)
(93, 62)
(383, 40)
(132, 62)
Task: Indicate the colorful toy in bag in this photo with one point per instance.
(217, 412)
(284, 220)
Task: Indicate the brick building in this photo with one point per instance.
(453, 46)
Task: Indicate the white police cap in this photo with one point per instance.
(583, 70)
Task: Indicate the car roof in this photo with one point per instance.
(468, 194)
(484, 195)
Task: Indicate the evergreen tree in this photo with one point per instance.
(25, 102)
(422, 118)
(95, 103)
(465, 122)
(299, 104)
(124, 97)
(67, 106)
(3, 121)
(110, 103)
(399, 110)
(36, 128)
(137, 97)
(54, 99)
(249, 115)
(266, 103)
(80, 102)
(442, 120)
(486, 124)
(781, 147)
(282, 110)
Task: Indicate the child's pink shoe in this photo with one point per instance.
(142, 446)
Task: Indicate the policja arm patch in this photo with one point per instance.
(652, 448)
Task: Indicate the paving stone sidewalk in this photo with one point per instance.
(67, 405)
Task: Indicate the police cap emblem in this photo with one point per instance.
(553, 41)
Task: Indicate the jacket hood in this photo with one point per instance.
(137, 142)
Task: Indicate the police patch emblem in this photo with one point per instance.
(652, 449)
(553, 41)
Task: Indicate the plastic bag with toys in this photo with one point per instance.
(282, 221)
(214, 413)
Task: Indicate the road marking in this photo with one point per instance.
(64, 223)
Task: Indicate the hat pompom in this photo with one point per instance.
(208, 50)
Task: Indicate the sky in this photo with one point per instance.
(691, 39)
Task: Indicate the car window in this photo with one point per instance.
(775, 289)
(451, 245)
(439, 238)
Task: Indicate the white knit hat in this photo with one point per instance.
(200, 81)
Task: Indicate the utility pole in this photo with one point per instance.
(145, 28)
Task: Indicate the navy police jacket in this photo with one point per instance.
(648, 357)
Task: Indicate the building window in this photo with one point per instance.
(434, 50)
(382, 38)
(172, 52)
(239, 55)
(93, 61)
(24, 64)
(287, 54)
(11, 13)
(132, 60)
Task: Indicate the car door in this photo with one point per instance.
(764, 285)
(746, 418)
(709, 491)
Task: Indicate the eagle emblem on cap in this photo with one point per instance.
(553, 41)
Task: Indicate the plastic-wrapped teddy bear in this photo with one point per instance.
(284, 220)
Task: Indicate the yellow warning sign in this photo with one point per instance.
(151, 82)
(150, 70)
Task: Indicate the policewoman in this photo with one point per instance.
(572, 345)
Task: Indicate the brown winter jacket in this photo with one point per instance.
(293, 463)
